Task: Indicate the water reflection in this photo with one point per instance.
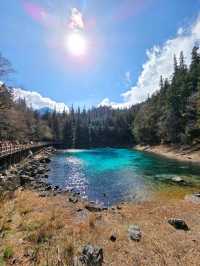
(110, 176)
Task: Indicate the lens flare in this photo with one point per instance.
(76, 44)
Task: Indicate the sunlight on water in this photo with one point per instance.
(109, 176)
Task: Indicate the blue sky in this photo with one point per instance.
(33, 36)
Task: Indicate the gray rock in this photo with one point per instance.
(94, 208)
(44, 194)
(45, 160)
(25, 179)
(47, 187)
(178, 224)
(134, 232)
(73, 199)
(91, 256)
(41, 170)
(179, 181)
(195, 198)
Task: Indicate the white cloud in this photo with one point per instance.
(76, 20)
(160, 62)
(108, 103)
(128, 77)
(36, 101)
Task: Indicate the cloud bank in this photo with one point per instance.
(159, 62)
(37, 101)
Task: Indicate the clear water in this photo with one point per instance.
(109, 176)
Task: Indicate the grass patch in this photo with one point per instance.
(2, 261)
(41, 235)
(8, 253)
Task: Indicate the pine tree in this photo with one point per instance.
(195, 68)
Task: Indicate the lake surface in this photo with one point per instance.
(109, 176)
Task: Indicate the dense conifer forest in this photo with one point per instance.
(171, 115)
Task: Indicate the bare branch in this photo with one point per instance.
(5, 66)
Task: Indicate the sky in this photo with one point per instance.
(91, 52)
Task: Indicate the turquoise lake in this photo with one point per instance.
(109, 176)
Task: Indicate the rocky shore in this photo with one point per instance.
(32, 173)
(42, 225)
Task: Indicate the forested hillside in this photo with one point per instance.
(172, 115)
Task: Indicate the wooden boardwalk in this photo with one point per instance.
(7, 149)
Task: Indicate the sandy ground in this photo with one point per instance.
(52, 231)
(181, 154)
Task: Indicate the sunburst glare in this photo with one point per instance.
(76, 44)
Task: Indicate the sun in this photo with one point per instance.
(76, 44)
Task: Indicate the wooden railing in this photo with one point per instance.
(10, 148)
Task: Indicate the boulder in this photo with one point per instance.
(91, 256)
(134, 232)
(178, 224)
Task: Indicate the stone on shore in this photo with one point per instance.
(91, 256)
(45, 160)
(178, 224)
(113, 237)
(195, 198)
(134, 232)
(73, 199)
(94, 208)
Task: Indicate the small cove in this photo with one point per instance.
(109, 175)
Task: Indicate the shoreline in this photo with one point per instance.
(172, 152)
(44, 225)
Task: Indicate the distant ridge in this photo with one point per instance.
(36, 101)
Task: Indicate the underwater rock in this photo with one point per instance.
(177, 180)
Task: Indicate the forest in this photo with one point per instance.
(169, 116)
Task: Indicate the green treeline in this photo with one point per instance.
(98, 127)
(171, 115)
